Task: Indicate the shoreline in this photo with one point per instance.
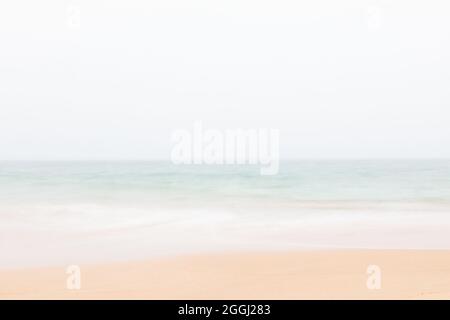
(306, 274)
(80, 233)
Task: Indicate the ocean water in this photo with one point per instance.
(59, 211)
(110, 182)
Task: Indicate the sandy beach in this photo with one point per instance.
(405, 274)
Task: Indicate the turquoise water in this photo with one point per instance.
(399, 180)
(60, 212)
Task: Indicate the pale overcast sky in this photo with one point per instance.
(340, 79)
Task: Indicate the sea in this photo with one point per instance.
(56, 212)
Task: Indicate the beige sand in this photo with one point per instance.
(300, 275)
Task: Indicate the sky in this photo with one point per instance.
(112, 79)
